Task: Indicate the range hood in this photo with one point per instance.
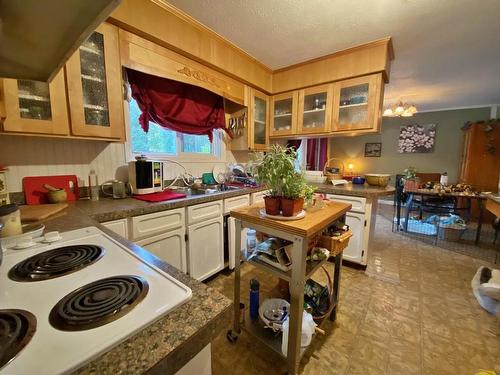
(38, 36)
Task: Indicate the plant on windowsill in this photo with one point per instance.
(410, 179)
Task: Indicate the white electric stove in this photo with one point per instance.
(76, 322)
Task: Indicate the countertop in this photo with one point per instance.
(365, 190)
(166, 345)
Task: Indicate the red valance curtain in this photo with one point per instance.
(176, 106)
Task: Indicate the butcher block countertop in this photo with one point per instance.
(166, 345)
(313, 222)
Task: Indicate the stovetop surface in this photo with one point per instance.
(54, 351)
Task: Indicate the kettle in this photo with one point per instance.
(119, 189)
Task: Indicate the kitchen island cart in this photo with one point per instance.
(301, 233)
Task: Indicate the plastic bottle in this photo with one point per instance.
(254, 299)
(251, 241)
(308, 329)
(93, 186)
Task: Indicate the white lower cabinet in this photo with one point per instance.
(120, 227)
(206, 248)
(354, 252)
(169, 246)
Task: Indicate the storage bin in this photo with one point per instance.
(335, 244)
(451, 232)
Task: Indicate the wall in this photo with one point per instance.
(34, 156)
(447, 150)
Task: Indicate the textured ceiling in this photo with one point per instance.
(447, 51)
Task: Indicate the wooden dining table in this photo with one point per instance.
(480, 198)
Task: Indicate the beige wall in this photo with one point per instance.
(447, 150)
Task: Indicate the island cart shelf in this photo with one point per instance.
(299, 232)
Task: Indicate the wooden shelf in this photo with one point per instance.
(35, 98)
(90, 50)
(259, 122)
(92, 78)
(315, 111)
(311, 267)
(353, 105)
(283, 115)
(96, 107)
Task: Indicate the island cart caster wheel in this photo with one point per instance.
(231, 336)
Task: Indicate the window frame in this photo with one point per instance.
(218, 153)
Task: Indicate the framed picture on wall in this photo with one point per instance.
(373, 150)
(417, 138)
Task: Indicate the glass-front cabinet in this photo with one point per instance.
(284, 114)
(94, 86)
(315, 110)
(258, 120)
(35, 107)
(358, 104)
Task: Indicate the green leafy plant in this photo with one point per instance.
(274, 168)
(410, 174)
(296, 187)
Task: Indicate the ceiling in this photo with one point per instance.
(447, 51)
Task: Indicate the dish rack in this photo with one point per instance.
(334, 169)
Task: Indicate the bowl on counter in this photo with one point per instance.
(378, 179)
(358, 180)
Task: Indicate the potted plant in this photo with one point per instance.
(410, 179)
(276, 169)
(295, 189)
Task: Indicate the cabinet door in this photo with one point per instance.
(95, 86)
(258, 121)
(354, 251)
(120, 227)
(284, 114)
(170, 247)
(205, 248)
(358, 104)
(36, 107)
(315, 110)
(231, 228)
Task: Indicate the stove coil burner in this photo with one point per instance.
(98, 303)
(17, 327)
(56, 262)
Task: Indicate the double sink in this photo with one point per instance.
(189, 191)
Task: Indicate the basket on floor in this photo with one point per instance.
(335, 244)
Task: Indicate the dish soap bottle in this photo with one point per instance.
(93, 186)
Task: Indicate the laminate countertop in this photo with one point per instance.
(367, 191)
(166, 345)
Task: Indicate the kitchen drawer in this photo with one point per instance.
(258, 197)
(120, 227)
(204, 211)
(236, 202)
(157, 222)
(358, 203)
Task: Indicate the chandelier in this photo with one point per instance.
(400, 110)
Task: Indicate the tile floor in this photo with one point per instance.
(425, 322)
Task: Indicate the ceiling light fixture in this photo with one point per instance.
(400, 110)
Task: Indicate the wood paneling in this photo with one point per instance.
(140, 54)
(357, 61)
(171, 28)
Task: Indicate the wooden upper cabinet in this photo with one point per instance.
(315, 110)
(283, 118)
(358, 104)
(249, 123)
(35, 107)
(94, 83)
(258, 120)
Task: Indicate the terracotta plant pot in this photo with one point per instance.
(411, 185)
(273, 205)
(291, 207)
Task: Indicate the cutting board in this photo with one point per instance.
(160, 197)
(36, 194)
(40, 211)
